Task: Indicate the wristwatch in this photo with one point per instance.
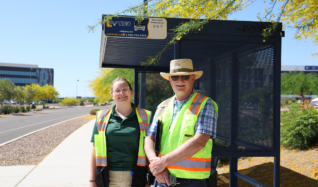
(150, 178)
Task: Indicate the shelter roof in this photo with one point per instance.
(123, 52)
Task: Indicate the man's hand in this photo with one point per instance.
(162, 177)
(157, 165)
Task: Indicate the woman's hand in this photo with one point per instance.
(92, 184)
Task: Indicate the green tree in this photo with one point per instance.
(299, 83)
(49, 92)
(6, 90)
(19, 94)
(158, 89)
(30, 93)
(101, 84)
(39, 94)
(101, 91)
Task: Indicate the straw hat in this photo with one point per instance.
(181, 67)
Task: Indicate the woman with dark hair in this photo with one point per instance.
(118, 158)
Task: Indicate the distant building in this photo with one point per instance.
(307, 69)
(23, 74)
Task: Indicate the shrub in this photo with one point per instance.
(42, 103)
(28, 108)
(299, 126)
(57, 100)
(287, 101)
(16, 109)
(81, 102)
(103, 104)
(93, 112)
(7, 109)
(68, 101)
(90, 99)
(223, 161)
(95, 103)
(23, 109)
(33, 106)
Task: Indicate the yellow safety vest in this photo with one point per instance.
(102, 119)
(182, 129)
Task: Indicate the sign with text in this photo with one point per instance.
(311, 68)
(151, 28)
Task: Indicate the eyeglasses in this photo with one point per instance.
(183, 77)
(124, 90)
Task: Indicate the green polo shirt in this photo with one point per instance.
(122, 137)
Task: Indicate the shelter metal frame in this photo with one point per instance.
(212, 33)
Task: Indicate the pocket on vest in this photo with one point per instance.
(187, 130)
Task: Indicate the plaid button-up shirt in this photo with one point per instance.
(206, 122)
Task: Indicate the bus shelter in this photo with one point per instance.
(241, 74)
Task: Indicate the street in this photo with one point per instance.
(13, 127)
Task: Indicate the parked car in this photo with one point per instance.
(314, 103)
(13, 102)
(34, 102)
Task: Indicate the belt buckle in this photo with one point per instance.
(173, 180)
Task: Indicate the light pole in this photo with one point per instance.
(76, 92)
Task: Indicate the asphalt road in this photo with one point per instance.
(16, 126)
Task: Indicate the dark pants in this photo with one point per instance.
(194, 183)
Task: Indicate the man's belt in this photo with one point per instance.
(175, 180)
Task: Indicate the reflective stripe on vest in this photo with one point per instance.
(101, 161)
(192, 164)
(102, 119)
(163, 106)
(142, 161)
(144, 125)
(199, 165)
(196, 104)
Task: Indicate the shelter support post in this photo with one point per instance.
(233, 171)
(176, 53)
(276, 170)
(234, 116)
(212, 77)
(276, 114)
(142, 90)
(136, 87)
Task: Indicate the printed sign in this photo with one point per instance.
(311, 68)
(151, 28)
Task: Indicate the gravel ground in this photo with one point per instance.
(32, 149)
(297, 168)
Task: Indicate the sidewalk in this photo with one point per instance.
(66, 165)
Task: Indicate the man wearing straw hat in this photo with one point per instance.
(188, 123)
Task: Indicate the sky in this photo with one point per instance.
(54, 34)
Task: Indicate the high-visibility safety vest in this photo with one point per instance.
(102, 119)
(182, 129)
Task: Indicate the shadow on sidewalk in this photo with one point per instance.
(264, 174)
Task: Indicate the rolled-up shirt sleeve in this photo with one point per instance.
(153, 127)
(207, 120)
